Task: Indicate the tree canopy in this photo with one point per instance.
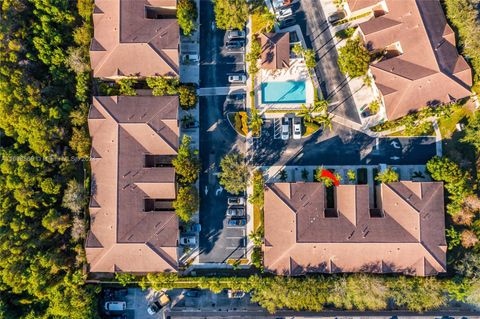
(186, 203)
(353, 58)
(187, 15)
(234, 173)
(231, 14)
(187, 164)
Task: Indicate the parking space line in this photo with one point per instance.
(277, 128)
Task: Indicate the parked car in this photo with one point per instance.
(236, 34)
(235, 294)
(188, 241)
(234, 44)
(285, 130)
(154, 308)
(236, 211)
(193, 228)
(231, 201)
(191, 57)
(237, 78)
(284, 13)
(337, 16)
(297, 128)
(115, 306)
(237, 222)
(192, 293)
(288, 22)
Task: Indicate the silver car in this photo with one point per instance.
(237, 78)
(188, 241)
(236, 201)
(236, 34)
(236, 212)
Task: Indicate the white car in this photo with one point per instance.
(191, 57)
(236, 34)
(285, 129)
(297, 128)
(115, 306)
(284, 13)
(237, 78)
(188, 241)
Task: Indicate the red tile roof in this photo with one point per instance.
(409, 238)
(126, 43)
(123, 237)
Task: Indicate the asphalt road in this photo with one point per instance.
(217, 137)
(216, 63)
(333, 84)
(341, 146)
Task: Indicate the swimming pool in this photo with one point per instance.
(283, 92)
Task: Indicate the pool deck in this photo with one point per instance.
(296, 72)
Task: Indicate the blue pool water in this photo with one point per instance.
(283, 92)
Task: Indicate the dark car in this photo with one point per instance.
(337, 16)
(236, 211)
(237, 222)
(235, 44)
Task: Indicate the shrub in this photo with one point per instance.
(387, 176)
(469, 238)
(187, 15)
(345, 33)
(74, 196)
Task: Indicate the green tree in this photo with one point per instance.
(257, 196)
(186, 203)
(387, 176)
(417, 293)
(125, 278)
(126, 86)
(80, 142)
(262, 20)
(310, 61)
(231, 14)
(352, 176)
(252, 57)
(74, 196)
(472, 131)
(256, 121)
(187, 15)
(187, 163)
(234, 173)
(374, 106)
(187, 97)
(353, 58)
(163, 86)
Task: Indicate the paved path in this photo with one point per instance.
(317, 35)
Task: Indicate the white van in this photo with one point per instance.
(115, 306)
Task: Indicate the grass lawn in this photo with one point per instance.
(447, 125)
(257, 217)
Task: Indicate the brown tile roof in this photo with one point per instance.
(409, 238)
(356, 5)
(275, 50)
(127, 43)
(429, 69)
(122, 236)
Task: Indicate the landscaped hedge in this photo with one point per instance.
(315, 293)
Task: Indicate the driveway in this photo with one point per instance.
(333, 84)
(216, 63)
(341, 146)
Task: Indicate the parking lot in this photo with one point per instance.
(216, 61)
(341, 146)
(218, 242)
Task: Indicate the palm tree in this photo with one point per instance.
(320, 106)
(324, 120)
(256, 121)
(306, 113)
